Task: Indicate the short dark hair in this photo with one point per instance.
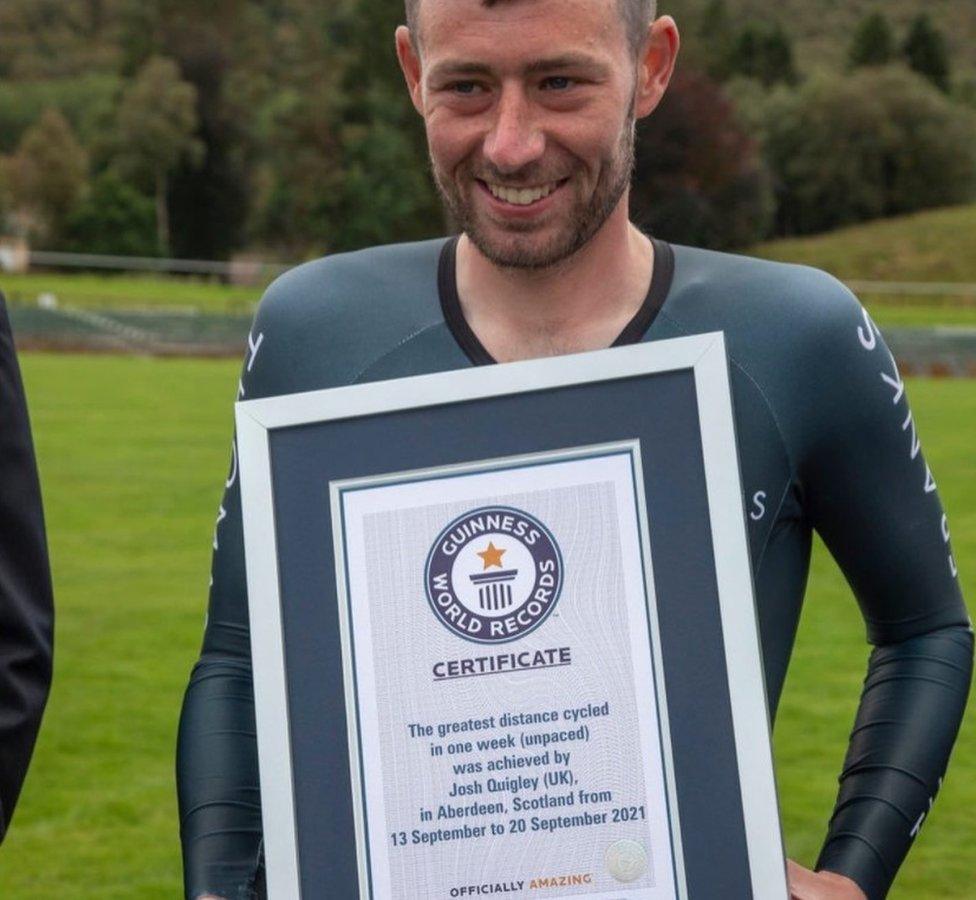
(636, 15)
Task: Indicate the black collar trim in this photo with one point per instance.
(633, 332)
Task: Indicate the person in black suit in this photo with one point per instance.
(26, 601)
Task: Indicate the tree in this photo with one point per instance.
(49, 175)
(219, 53)
(387, 194)
(157, 123)
(699, 176)
(344, 151)
(873, 42)
(779, 63)
(299, 177)
(715, 35)
(926, 53)
(230, 51)
(88, 102)
(760, 50)
(6, 192)
(763, 52)
(301, 173)
(42, 39)
(964, 91)
(877, 143)
(114, 219)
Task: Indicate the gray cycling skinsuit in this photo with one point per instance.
(827, 443)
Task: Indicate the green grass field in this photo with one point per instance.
(133, 453)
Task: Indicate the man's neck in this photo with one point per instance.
(583, 303)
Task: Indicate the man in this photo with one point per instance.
(529, 107)
(26, 605)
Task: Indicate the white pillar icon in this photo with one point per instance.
(495, 590)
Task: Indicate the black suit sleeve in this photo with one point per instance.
(26, 603)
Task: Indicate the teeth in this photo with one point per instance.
(521, 196)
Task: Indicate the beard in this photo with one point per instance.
(517, 249)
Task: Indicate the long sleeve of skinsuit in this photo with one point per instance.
(874, 500)
(219, 794)
(842, 456)
(26, 602)
(827, 443)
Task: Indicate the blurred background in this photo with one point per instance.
(162, 160)
(232, 138)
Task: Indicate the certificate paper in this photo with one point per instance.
(501, 654)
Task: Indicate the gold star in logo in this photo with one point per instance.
(492, 556)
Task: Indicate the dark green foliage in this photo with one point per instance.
(284, 103)
(822, 31)
(964, 92)
(47, 176)
(699, 177)
(714, 21)
(724, 49)
(6, 195)
(87, 102)
(300, 172)
(877, 143)
(114, 219)
(346, 161)
(386, 194)
(873, 43)
(926, 52)
(310, 143)
(210, 201)
(55, 39)
(763, 52)
(157, 125)
(714, 37)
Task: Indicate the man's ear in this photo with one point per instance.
(410, 65)
(655, 65)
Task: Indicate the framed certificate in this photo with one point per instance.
(504, 637)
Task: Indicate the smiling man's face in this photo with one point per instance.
(529, 108)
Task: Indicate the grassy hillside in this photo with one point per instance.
(937, 246)
(822, 30)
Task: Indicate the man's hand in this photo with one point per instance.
(807, 885)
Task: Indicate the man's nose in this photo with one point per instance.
(515, 140)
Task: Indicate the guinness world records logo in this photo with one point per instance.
(493, 575)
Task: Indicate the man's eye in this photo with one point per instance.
(557, 83)
(465, 88)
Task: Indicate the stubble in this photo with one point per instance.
(517, 248)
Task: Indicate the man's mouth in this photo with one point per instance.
(522, 196)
